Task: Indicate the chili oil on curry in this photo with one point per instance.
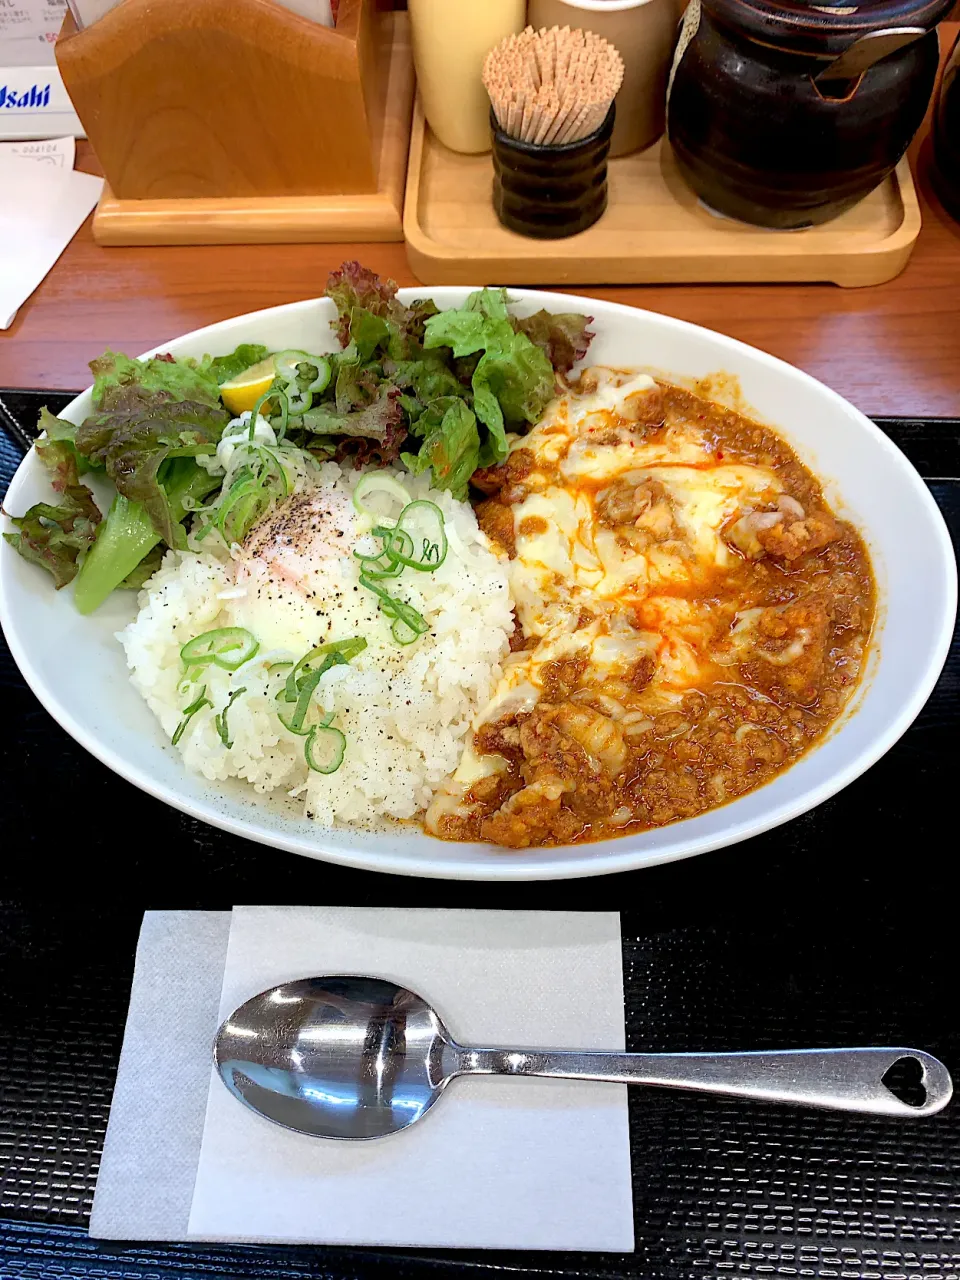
(691, 618)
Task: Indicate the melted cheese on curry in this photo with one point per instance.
(664, 555)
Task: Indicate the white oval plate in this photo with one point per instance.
(77, 670)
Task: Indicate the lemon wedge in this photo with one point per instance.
(241, 393)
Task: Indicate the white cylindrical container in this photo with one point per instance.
(643, 31)
(451, 38)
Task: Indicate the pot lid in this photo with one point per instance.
(825, 28)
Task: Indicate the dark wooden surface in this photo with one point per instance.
(891, 349)
(831, 930)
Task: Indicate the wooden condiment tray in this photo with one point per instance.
(655, 231)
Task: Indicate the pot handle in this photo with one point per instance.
(866, 51)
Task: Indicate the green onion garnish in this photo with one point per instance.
(370, 483)
(299, 386)
(398, 553)
(408, 623)
(434, 541)
(220, 719)
(242, 505)
(305, 688)
(338, 650)
(399, 546)
(324, 748)
(189, 712)
(226, 647)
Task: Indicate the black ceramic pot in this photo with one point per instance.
(760, 129)
(946, 136)
(550, 192)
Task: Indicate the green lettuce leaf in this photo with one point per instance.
(63, 432)
(402, 366)
(225, 368)
(370, 315)
(368, 332)
(428, 378)
(464, 332)
(57, 536)
(520, 377)
(145, 570)
(354, 287)
(374, 432)
(137, 433)
(491, 303)
(181, 379)
(354, 384)
(513, 380)
(451, 445)
(127, 536)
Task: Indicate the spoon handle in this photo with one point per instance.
(837, 1079)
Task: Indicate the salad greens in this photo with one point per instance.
(56, 536)
(438, 390)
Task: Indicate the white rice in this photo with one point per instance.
(405, 711)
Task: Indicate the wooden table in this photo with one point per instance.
(893, 349)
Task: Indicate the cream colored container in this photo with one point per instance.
(644, 32)
(451, 38)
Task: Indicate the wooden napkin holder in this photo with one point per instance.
(237, 121)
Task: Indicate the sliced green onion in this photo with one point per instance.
(305, 693)
(378, 566)
(399, 546)
(288, 365)
(245, 501)
(220, 719)
(255, 411)
(408, 623)
(288, 723)
(285, 412)
(281, 469)
(324, 748)
(373, 481)
(189, 712)
(324, 373)
(300, 401)
(301, 683)
(347, 649)
(397, 543)
(435, 537)
(403, 633)
(365, 581)
(338, 650)
(226, 647)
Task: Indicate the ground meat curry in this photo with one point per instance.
(691, 618)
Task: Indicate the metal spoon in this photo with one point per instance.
(351, 1057)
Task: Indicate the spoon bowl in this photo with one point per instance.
(336, 1057)
(357, 1058)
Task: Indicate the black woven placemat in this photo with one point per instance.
(838, 928)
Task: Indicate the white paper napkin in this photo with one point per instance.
(500, 1163)
(149, 1161)
(41, 209)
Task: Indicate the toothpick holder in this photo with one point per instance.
(222, 121)
(547, 191)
